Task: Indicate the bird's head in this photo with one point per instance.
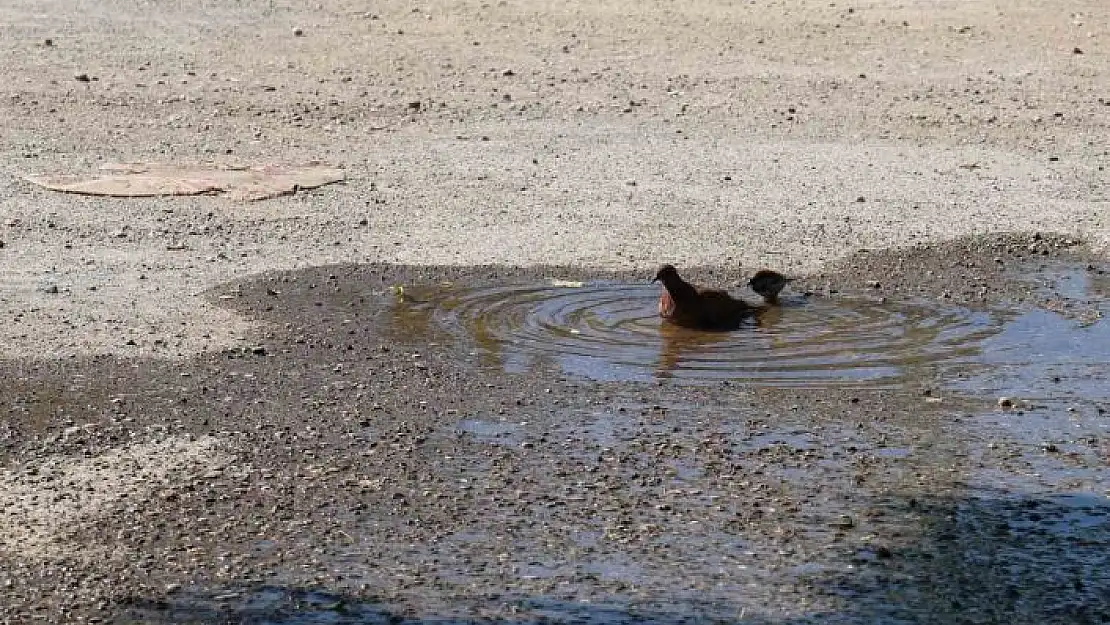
(768, 277)
(665, 273)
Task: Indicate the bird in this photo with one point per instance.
(768, 284)
(685, 305)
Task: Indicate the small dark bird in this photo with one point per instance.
(768, 284)
(683, 304)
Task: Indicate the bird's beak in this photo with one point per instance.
(654, 280)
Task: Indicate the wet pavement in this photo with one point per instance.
(396, 447)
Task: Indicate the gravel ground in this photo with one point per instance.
(207, 398)
(357, 451)
(599, 134)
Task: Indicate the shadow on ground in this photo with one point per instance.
(1004, 559)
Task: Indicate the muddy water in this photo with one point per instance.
(610, 331)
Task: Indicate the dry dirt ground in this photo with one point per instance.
(171, 437)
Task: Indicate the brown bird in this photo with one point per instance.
(768, 284)
(683, 304)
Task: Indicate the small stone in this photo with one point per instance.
(508, 72)
(1077, 50)
(1005, 403)
(1051, 448)
(49, 43)
(82, 78)
(861, 199)
(298, 32)
(414, 105)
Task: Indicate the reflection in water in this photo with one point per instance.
(410, 315)
(1042, 355)
(611, 331)
(1060, 352)
(681, 345)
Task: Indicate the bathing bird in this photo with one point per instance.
(686, 305)
(768, 284)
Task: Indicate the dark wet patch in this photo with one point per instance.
(527, 321)
(385, 461)
(990, 558)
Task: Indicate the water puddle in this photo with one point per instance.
(495, 432)
(1058, 352)
(610, 331)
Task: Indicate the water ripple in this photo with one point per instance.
(611, 331)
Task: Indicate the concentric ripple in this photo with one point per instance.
(611, 331)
